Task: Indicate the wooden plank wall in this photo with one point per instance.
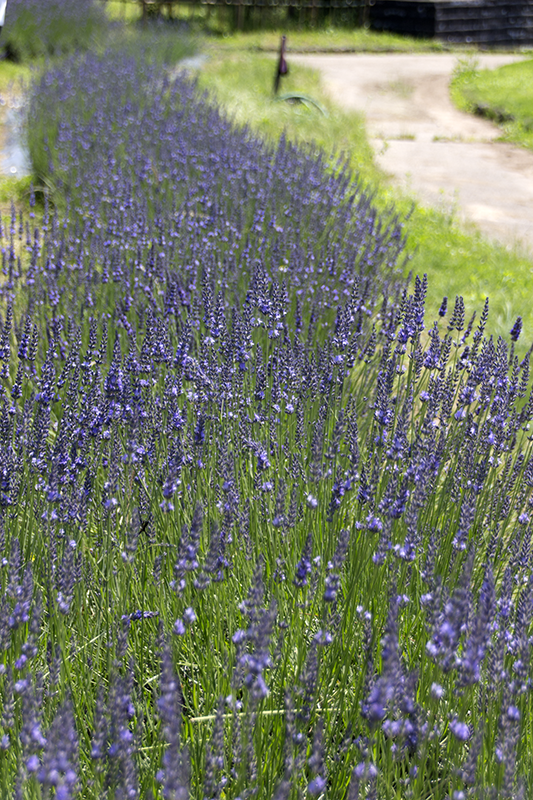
(490, 23)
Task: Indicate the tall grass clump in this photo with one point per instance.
(35, 28)
(265, 523)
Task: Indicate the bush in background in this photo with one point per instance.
(35, 28)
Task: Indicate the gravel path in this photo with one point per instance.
(444, 157)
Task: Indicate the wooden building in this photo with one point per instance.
(507, 23)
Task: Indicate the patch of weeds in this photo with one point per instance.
(502, 95)
(16, 189)
(401, 88)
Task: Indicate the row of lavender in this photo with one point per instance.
(263, 533)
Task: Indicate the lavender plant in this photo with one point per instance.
(265, 529)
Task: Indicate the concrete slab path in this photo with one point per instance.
(443, 156)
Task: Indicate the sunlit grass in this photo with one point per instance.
(341, 39)
(14, 77)
(504, 95)
(123, 10)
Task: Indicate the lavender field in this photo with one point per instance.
(265, 519)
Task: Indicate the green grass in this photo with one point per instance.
(329, 39)
(457, 259)
(17, 189)
(13, 77)
(504, 95)
(123, 10)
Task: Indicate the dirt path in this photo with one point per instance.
(444, 157)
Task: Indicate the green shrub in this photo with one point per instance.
(35, 28)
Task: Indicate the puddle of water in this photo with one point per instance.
(194, 62)
(189, 64)
(14, 156)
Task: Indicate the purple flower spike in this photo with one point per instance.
(516, 330)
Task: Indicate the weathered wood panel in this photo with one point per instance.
(507, 23)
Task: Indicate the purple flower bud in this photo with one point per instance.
(460, 730)
(33, 764)
(323, 638)
(437, 691)
(317, 785)
(239, 636)
(189, 616)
